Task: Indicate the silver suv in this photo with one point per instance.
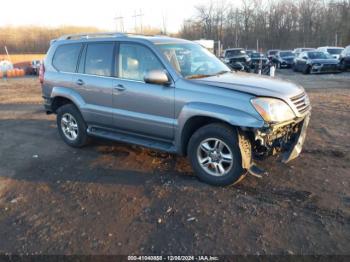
(173, 95)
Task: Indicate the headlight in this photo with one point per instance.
(272, 110)
(317, 64)
(226, 60)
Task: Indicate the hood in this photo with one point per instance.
(253, 84)
(325, 61)
(237, 56)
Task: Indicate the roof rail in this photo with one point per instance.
(98, 35)
(91, 35)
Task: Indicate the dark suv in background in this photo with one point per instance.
(234, 57)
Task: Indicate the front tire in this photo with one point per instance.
(71, 126)
(215, 156)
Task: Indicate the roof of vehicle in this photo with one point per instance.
(233, 49)
(333, 47)
(156, 39)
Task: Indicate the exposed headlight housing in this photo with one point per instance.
(272, 109)
(226, 60)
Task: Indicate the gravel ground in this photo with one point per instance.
(112, 198)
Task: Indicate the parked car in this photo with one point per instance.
(316, 62)
(172, 95)
(236, 56)
(331, 50)
(249, 52)
(256, 59)
(283, 59)
(344, 58)
(297, 52)
(271, 53)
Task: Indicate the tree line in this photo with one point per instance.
(34, 39)
(281, 24)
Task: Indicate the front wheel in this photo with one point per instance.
(215, 156)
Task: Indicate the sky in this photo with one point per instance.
(98, 13)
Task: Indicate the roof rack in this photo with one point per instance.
(98, 35)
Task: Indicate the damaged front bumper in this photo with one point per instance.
(286, 139)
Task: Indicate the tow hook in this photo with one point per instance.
(247, 160)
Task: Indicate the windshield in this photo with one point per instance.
(192, 60)
(334, 51)
(230, 53)
(317, 55)
(257, 55)
(285, 54)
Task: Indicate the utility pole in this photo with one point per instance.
(336, 39)
(135, 16)
(119, 27)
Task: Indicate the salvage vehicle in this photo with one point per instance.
(172, 95)
(234, 57)
(271, 53)
(257, 59)
(297, 52)
(249, 52)
(283, 59)
(334, 51)
(344, 58)
(316, 62)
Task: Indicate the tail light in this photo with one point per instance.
(41, 73)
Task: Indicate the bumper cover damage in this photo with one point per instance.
(287, 139)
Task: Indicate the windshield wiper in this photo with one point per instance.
(198, 76)
(222, 72)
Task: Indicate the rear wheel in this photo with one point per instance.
(215, 156)
(71, 126)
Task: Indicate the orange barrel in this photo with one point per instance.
(22, 72)
(9, 73)
(17, 72)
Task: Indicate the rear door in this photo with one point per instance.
(94, 82)
(139, 107)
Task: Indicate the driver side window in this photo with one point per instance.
(135, 61)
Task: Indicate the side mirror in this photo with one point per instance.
(158, 77)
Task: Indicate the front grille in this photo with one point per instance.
(301, 102)
(240, 59)
(329, 67)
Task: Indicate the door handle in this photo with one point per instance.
(80, 82)
(119, 87)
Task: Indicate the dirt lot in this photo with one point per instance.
(112, 198)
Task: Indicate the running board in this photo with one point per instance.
(131, 139)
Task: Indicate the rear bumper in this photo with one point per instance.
(48, 105)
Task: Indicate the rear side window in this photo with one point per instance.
(66, 57)
(99, 58)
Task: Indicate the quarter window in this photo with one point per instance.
(135, 61)
(99, 57)
(66, 57)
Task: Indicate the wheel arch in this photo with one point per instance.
(61, 96)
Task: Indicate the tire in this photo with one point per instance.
(307, 70)
(231, 164)
(76, 136)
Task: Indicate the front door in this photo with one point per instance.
(139, 107)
